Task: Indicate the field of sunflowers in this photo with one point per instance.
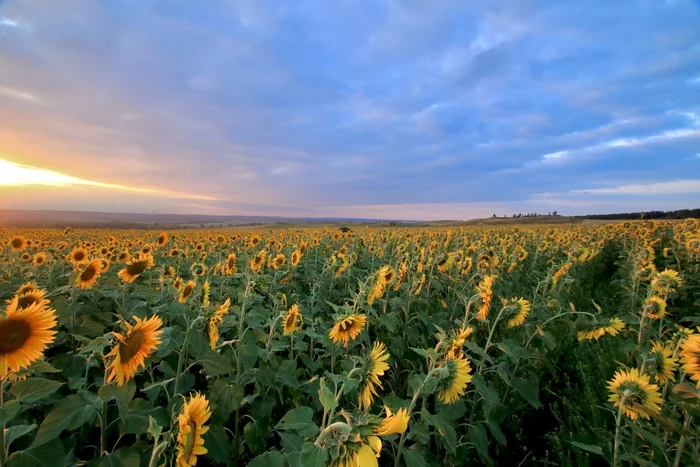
(558, 346)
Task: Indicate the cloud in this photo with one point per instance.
(648, 189)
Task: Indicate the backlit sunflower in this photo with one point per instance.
(132, 350)
(654, 307)
(186, 291)
(690, 357)
(258, 260)
(190, 442)
(661, 363)
(24, 335)
(18, 243)
(88, 275)
(520, 309)
(485, 292)
(292, 320)
(454, 382)
(215, 319)
(633, 391)
(78, 256)
(347, 329)
(39, 259)
(135, 267)
(666, 282)
(375, 366)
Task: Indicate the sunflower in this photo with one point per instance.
(292, 320)
(614, 326)
(30, 297)
(296, 258)
(198, 269)
(124, 256)
(485, 292)
(401, 276)
(177, 283)
(24, 335)
(347, 329)
(254, 240)
(206, 293)
(384, 279)
(215, 319)
(230, 266)
(18, 243)
(361, 456)
(88, 275)
(455, 380)
(456, 343)
(135, 267)
(561, 272)
(521, 308)
(258, 260)
(132, 350)
(190, 443)
(393, 424)
(279, 261)
(654, 307)
(690, 357)
(162, 239)
(666, 282)
(39, 259)
(26, 257)
(661, 362)
(635, 394)
(186, 291)
(375, 366)
(78, 256)
(26, 288)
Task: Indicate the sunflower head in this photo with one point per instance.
(195, 413)
(296, 258)
(654, 307)
(30, 297)
(485, 292)
(135, 267)
(292, 320)
(215, 319)
(186, 291)
(18, 243)
(39, 259)
(454, 376)
(661, 363)
(131, 350)
(24, 335)
(666, 282)
(258, 260)
(279, 261)
(518, 309)
(78, 256)
(375, 364)
(87, 276)
(347, 328)
(162, 239)
(632, 391)
(690, 356)
(455, 343)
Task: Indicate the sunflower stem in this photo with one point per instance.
(618, 423)
(411, 406)
(239, 350)
(103, 429)
(681, 442)
(3, 451)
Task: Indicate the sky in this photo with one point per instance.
(415, 109)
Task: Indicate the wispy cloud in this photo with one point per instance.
(648, 189)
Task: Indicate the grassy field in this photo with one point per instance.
(557, 345)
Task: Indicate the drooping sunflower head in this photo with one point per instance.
(78, 256)
(195, 413)
(613, 326)
(215, 319)
(131, 350)
(661, 363)
(375, 365)
(347, 328)
(18, 243)
(654, 307)
(690, 357)
(666, 282)
(135, 267)
(454, 379)
(597, 330)
(296, 258)
(87, 276)
(485, 291)
(518, 310)
(186, 291)
(455, 343)
(292, 320)
(279, 261)
(633, 391)
(258, 260)
(394, 423)
(24, 335)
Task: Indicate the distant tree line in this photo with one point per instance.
(679, 214)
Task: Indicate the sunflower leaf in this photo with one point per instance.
(299, 420)
(313, 456)
(268, 459)
(588, 447)
(49, 454)
(528, 390)
(326, 396)
(33, 389)
(71, 412)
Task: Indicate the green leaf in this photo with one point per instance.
(477, 436)
(326, 397)
(446, 433)
(33, 389)
(137, 419)
(17, 431)
(216, 364)
(269, 459)
(217, 443)
(49, 454)
(254, 434)
(300, 420)
(286, 374)
(225, 398)
(528, 390)
(291, 442)
(588, 447)
(497, 433)
(96, 344)
(122, 394)
(40, 366)
(154, 429)
(313, 456)
(8, 411)
(68, 413)
(651, 438)
(487, 392)
(413, 458)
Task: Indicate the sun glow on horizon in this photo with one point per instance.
(18, 175)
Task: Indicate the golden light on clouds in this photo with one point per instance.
(17, 175)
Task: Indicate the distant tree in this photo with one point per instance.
(494, 215)
(554, 213)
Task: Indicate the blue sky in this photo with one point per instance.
(362, 108)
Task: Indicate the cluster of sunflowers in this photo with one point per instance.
(326, 347)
